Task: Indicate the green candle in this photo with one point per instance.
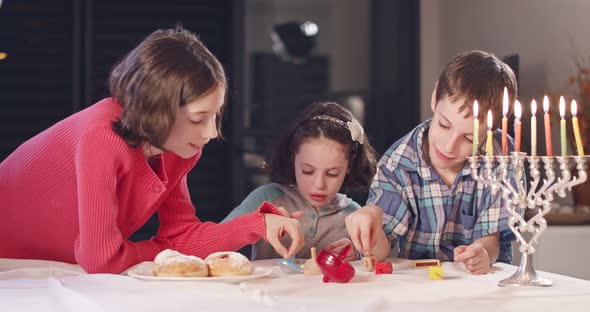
(563, 128)
(576, 127)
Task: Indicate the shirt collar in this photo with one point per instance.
(417, 160)
(339, 202)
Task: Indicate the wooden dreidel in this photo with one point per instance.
(310, 267)
(435, 273)
(383, 268)
(369, 263)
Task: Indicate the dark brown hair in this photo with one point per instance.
(362, 158)
(481, 76)
(167, 70)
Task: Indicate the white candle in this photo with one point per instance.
(533, 128)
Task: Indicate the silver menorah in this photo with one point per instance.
(539, 195)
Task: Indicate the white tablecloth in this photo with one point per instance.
(30, 285)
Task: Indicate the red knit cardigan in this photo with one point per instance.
(77, 191)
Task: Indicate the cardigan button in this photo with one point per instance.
(157, 189)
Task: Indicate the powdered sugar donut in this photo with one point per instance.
(228, 263)
(171, 263)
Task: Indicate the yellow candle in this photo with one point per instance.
(533, 128)
(576, 126)
(489, 146)
(475, 128)
(548, 141)
(505, 123)
(517, 125)
(562, 128)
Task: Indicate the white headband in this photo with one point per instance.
(355, 128)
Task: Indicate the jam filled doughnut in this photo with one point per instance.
(228, 263)
(171, 263)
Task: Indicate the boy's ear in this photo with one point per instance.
(433, 98)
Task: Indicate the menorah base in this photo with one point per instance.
(525, 275)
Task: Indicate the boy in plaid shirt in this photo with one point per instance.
(423, 196)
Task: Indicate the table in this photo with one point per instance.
(32, 285)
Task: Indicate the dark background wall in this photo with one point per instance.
(61, 51)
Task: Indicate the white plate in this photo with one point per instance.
(143, 271)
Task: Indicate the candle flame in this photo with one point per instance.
(490, 122)
(546, 104)
(505, 102)
(534, 107)
(574, 108)
(517, 110)
(475, 109)
(562, 107)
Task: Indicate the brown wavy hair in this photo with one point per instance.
(361, 157)
(168, 69)
(481, 76)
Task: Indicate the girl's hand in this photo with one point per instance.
(475, 257)
(337, 246)
(276, 227)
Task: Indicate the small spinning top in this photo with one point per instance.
(334, 266)
(289, 266)
(310, 267)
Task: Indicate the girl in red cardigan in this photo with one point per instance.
(78, 190)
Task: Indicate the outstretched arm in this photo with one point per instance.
(189, 235)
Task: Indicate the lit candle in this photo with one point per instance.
(489, 146)
(475, 128)
(563, 129)
(548, 141)
(533, 128)
(576, 126)
(505, 123)
(517, 124)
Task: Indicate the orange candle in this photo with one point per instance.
(505, 123)
(576, 125)
(533, 128)
(548, 142)
(517, 124)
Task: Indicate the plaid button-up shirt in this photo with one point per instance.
(428, 218)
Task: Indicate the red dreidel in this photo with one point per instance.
(334, 267)
(383, 268)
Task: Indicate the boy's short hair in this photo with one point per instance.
(168, 69)
(481, 76)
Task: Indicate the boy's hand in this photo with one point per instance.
(337, 246)
(276, 227)
(362, 225)
(475, 257)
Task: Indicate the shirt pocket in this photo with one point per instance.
(467, 219)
